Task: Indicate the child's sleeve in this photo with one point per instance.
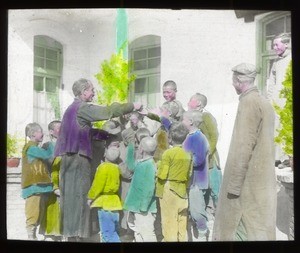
(130, 159)
(124, 171)
(35, 152)
(163, 166)
(98, 183)
(147, 186)
(55, 172)
(190, 171)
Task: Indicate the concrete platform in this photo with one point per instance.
(16, 206)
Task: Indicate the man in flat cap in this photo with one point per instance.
(247, 203)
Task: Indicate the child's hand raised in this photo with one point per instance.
(137, 106)
(57, 192)
(89, 202)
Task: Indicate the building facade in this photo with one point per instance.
(49, 49)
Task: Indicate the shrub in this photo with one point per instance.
(285, 132)
(11, 145)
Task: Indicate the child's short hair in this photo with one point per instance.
(195, 116)
(31, 128)
(178, 132)
(170, 83)
(174, 108)
(112, 154)
(149, 145)
(52, 124)
(128, 136)
(112, 140)
(80, 85)
(201, 98)
(141, 133)
(135, 113)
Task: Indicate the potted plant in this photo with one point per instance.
(285, 132)
(13, 160)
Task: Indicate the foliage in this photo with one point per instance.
(53, 98)
(114, 80)
(11, 145)
(285, 132)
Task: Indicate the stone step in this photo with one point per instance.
(13, 180)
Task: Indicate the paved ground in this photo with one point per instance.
(16, 216)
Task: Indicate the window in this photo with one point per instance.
(47, 74)
(148, 58)
(269, 27)
(145, 53)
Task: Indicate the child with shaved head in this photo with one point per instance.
(103, 195)
(197, 144)
(140, 200)
(173, 174)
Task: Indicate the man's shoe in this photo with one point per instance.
(128, 237)
(203, 235)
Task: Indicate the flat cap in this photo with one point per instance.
(245, 69)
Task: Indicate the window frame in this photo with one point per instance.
(42, 97)
(146, 42)
(265, 57)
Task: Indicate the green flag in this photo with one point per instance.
(122, 32)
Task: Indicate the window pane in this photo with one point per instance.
(51, 84)
(139, 65)
(140, 54)
(275, 27)
(39, 51)
(38, 83)
(153, 63)
(269, 44)
(39, 62)
(154, 84)
(142, 98)
(151, 100)
(140, 85)
(153, 52)
(51, 54)
(51, 65)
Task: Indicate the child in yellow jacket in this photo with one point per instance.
(103, 195)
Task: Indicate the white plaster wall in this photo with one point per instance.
(19, 96)
(198, 50)
(102, 47)
(85, 45)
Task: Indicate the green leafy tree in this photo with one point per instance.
(285, 132)
(114, 80)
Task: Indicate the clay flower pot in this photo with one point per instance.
(13, 162)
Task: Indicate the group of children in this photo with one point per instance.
(155, 175)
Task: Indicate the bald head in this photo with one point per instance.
(192, 117)
(112, 154)
(148, 145)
